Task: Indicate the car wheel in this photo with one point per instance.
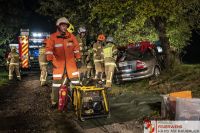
(156, 72)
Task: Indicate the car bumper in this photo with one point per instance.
(128, 76)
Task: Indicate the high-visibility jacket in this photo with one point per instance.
(63, 52)
(110, 54)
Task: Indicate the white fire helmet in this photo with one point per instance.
(62, 20)
(81, 29)
(110, 39)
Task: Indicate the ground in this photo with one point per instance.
(24, 105)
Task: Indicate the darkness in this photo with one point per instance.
(35, 21)
(192, 55)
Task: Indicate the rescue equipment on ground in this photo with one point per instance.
(90, 102)
(62, 97)
(63, 93)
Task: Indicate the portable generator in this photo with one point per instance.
(90, 102)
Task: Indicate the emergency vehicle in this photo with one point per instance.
(28, 48)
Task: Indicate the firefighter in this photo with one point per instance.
(81, 37)
(43, 64)
(90, 63)
(110, 56)
(63, 51)
(13, 59)
(98, 57)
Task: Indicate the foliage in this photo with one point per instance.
(77, 11)
(133, 19)
(3, 77)
(10, 21)
(127, 19)
(169, 21)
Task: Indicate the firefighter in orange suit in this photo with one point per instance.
(63, 51)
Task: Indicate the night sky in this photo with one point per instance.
(35, 21)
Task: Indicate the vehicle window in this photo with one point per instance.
(135, 53)
(148, 54)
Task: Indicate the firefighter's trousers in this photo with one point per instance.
(89, 72)
(99, 70)
(55, 91)
(109, 71)
(14, 67)
(43, 74)
(82, 72)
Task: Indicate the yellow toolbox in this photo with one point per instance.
(90, 102)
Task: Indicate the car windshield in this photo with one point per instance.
(135, 54)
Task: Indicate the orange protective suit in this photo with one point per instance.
(63, 52)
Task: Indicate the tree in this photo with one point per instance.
(169, 20)
(77, 11)
(10, 21)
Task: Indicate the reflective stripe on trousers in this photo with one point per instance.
(55, 91)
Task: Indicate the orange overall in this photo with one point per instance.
(63, 53)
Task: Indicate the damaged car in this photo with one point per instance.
(138, 62)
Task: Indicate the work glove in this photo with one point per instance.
(79, 64)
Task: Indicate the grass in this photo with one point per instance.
(181, 77)
(3, 77)
(143, 98)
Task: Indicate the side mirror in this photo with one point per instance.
(159, 49)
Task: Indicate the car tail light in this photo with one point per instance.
(140, 65)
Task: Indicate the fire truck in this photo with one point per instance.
(28, 48)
